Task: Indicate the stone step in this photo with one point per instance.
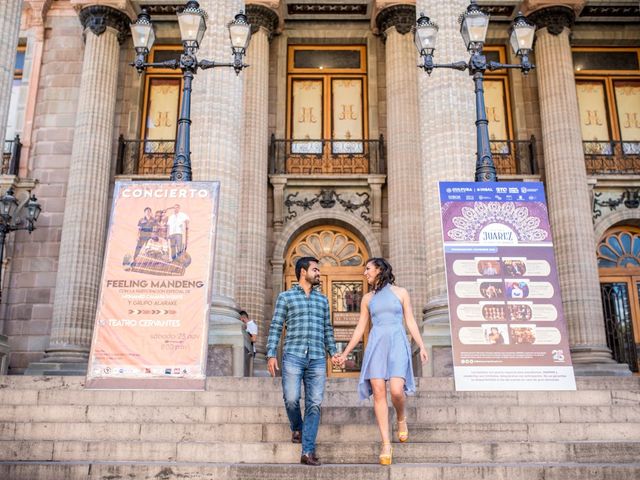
(10, 396)
(429, 384)
(488, 414)
(208, 471)
(332, 453)
(257, 432)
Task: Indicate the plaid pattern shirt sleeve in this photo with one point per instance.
(329, 341)
(277, 322)
(308, 324)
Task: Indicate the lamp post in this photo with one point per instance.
(192, 22)
(8, 222)
(473, 28)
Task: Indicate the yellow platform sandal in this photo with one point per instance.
(386, 454)
(403, 430)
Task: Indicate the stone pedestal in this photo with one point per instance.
(568, 193)
(86, 208)
(217, 152)
(407, 252)
(10, 11)
(448, 142)
(252, 228)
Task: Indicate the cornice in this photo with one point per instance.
(98, 17)
(261, 16)
(555, 19)
(403, 17)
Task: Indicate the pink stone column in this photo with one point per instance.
(407, 250)
(568, 194)
(10, 11)
(85, 215)
(252, 228)
(217, 154)
(448, 141)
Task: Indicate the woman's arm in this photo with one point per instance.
(410, 321)
(360, 327)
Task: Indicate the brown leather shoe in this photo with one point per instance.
(296, 436)
(310, 459)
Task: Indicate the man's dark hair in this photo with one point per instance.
(303, 263)
(385, 277)
(243, 314)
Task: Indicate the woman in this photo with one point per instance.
(388, 354)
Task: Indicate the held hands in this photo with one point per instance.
(338, 360)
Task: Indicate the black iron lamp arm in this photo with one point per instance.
(477, 63)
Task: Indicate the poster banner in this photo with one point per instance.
(508, 330)
(153, 310)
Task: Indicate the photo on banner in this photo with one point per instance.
(153, 311)
(508, 330)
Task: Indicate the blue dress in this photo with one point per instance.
(388, 353)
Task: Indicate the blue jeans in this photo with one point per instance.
(313, 373)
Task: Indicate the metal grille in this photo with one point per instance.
(612, 158)
(618, 323)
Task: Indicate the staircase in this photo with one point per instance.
(51, 428)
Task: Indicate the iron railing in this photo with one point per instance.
(618, 323)
(327, 156)
(11, 156)
(612, 157)
(514, 157)
(145, 157)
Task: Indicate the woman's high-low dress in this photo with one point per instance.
(388, 353)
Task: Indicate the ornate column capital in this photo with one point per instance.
(98, 17)
(555, 18)
(261, 16)
(403, 17)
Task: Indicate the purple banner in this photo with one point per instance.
(507, 325)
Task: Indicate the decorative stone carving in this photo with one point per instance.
(629, 198)
(327, 199)
(98, 17)
(261, 16)
(555, 19)
(403, 17)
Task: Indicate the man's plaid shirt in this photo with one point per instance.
(309, 330)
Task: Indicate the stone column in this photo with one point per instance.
(85, 215)
(10, 12)
(217, 152)
(448, 141)
(407, 252)
(252, 229)
(568, 194)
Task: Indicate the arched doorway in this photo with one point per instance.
(619, 268)
(342, 258)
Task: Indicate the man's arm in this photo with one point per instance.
(329, 341)
(275, 330)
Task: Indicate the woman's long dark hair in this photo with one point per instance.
(385, 277)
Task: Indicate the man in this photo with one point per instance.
(251, 329)
(309, 335)
(178, 224)
(146, 226)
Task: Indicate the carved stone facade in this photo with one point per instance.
(78, 95)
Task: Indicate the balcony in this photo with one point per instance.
(322, 156)
(612, 158)
(145, 157)
(11, 156)
(332, 157)
(514, 157)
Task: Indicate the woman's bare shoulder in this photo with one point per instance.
(399, 291)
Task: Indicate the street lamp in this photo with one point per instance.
(192, 22)
(473, 28)
(8, 222)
